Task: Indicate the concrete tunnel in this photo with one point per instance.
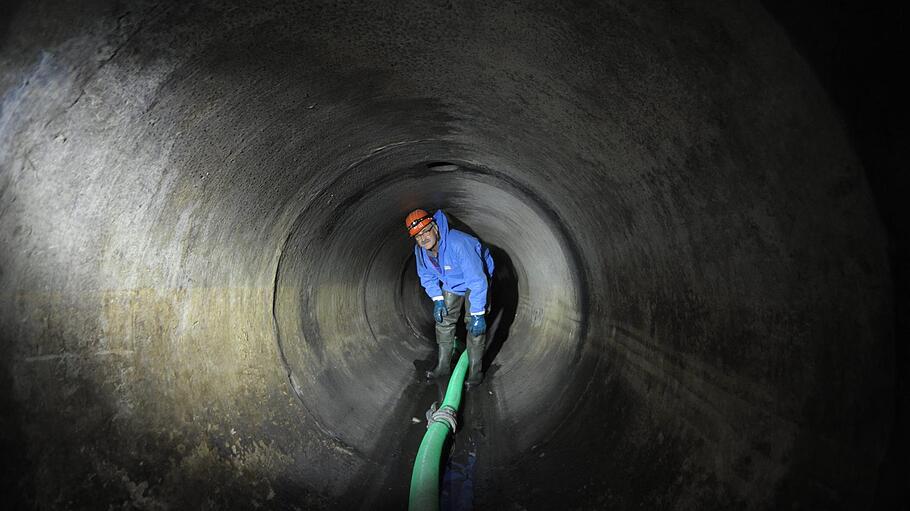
(208, 300)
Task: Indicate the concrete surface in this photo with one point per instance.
(208, 301)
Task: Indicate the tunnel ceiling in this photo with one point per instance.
(208, 300)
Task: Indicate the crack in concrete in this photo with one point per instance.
(152, 14)
(67, 355)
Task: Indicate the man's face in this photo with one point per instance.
(428, 237)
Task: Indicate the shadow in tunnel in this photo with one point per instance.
(852, 47)
(502, 298)
(13, 441)
(504, 305)
(7, 13)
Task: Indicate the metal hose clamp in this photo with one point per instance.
(445, 415)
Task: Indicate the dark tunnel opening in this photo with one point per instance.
(208, 301)
(349, 324)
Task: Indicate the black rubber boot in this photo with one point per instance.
(444, 365)
(475, 371)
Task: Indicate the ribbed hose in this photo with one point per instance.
(425, 477)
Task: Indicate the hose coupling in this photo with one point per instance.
(445, 415)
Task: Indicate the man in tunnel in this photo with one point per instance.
(463, 267)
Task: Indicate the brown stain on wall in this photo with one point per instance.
(180, 376)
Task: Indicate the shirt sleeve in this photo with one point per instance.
(428, 278)
(475, 277)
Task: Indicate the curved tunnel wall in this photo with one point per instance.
(344, 328)
(701, 316)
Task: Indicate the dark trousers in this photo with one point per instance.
(445, 331)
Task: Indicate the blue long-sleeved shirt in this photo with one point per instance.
(463, 264)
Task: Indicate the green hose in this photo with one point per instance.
(425, 477)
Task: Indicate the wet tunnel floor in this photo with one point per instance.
(461, 485)
(571, 469)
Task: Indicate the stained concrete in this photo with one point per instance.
(208, 302)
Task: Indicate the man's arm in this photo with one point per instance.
(475, 277)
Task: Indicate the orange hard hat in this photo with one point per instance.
(416, 221)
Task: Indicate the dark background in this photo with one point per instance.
(858, 50)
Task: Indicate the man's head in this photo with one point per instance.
(422, 228)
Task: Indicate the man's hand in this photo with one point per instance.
(439, 310)
(478, 325)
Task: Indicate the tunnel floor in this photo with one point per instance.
(389, 484)
(566, 471)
